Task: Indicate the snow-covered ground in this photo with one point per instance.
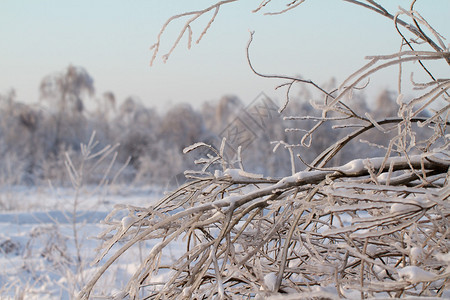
(47, 238)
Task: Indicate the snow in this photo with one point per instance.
(415, 254)
(193, 147)
(127, 222)
(353, 166)
(51, 217)
(237, 174)
(38, 253)
(381, 272)
(371, 249)
(270, 281)
(443, 257)
(414, 274)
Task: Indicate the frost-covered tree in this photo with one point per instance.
(366, 227)
(182, 126)
(65, 92)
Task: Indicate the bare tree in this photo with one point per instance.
(371, 226)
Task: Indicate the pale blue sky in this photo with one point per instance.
(111, 40)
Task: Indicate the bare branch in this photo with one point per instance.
(293, 79)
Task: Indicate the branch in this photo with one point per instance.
(380, 10)
(293, 79)
(331, 151)
(196, 15)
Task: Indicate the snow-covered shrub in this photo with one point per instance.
(371, 226)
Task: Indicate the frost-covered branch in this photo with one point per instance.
(372, 226)
(254, 221)
(187, 27)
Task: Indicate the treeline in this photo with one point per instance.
(35, 139)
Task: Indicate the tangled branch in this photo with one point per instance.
(306, 229)
(371, 227)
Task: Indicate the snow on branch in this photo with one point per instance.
(375, 226)
(234, 227)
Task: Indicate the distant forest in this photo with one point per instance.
(36, 139)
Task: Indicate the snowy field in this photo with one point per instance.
(48, 238)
